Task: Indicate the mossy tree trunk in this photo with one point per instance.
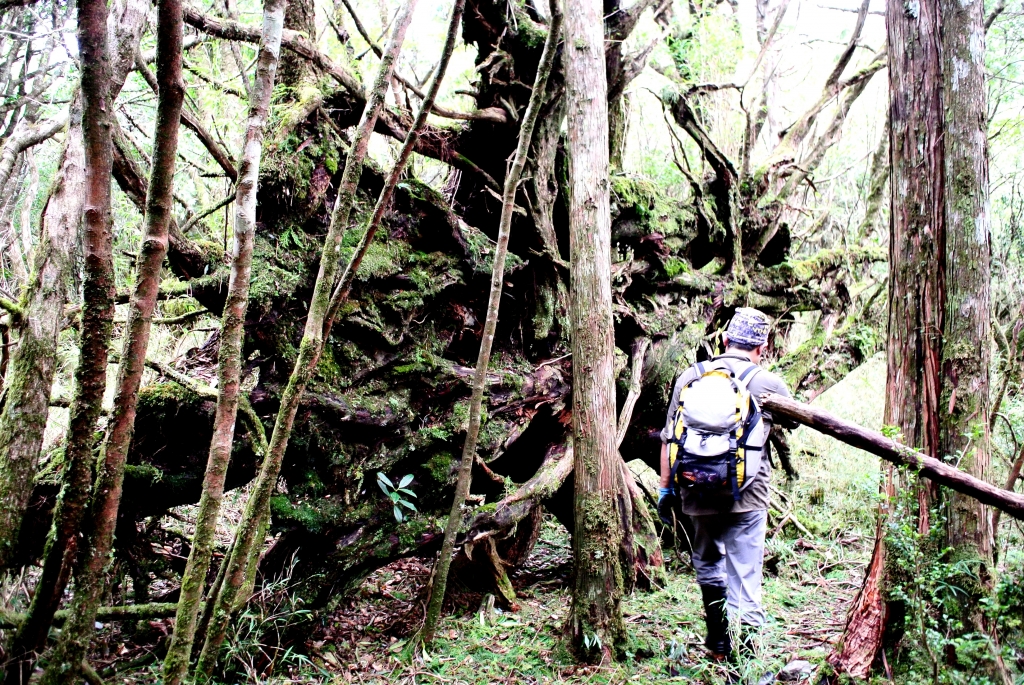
(229, 357)
(73, 644)
(102, 79)
(439, 578)
(317, 329)
(595, 625)
(98, 284)
(966, 352)
(26, 404)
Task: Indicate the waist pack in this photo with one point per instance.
(717, 433)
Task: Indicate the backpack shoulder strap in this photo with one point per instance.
(749, 372)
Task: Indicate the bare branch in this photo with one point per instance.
(851, 46)
(219, 154)
(994, 14)
(293, 40)
(20, 142)
(495, 114)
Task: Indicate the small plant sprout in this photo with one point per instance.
(592, 641)
(397, 493)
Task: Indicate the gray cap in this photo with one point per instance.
(749, 327)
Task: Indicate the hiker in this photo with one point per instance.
(715, 469)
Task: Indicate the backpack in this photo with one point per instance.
(717, 433)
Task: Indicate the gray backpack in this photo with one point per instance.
(718, 434)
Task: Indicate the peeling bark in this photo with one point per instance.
(601, 502)
(916, 304)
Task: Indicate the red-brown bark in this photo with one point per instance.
(89, 575)
(916, 283)
(96, 327)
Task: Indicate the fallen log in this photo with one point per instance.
(124, 612)
(901, 455)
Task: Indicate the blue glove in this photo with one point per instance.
(668, 502)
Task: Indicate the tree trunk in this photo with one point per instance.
(27, 397)
(316, 331)
(101, 82)
(601, 506)
(966, 354)
(72, 647)
(439, 578)
(916, 305)
(229, 359)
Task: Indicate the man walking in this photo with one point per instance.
(713, 465)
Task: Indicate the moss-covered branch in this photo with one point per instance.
(13, 308)
(122, 612)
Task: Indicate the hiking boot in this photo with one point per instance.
(717, 641)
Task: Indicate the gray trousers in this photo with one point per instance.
(728, 550)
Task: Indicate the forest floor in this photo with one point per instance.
(814, 565)
(813, 569)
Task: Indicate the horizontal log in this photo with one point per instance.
(124, 612)
(890, 450)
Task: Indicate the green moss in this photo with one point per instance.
(634, 191)
(440, 466)
(327, 369)
(675, 267)
(160, 395)
(314, 516)
(383, 258)
(277, 273)
(143, 472)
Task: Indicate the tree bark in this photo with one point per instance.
(316, 330)
(33, 361)
(966, 352)
(74, 641)
(229, 359)
(84, 197)
(916, 304)
(439, 578)
(601, 503)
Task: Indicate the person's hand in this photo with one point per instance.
(668, 503)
